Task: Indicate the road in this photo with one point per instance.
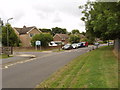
(29, 73)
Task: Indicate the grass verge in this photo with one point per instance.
(95, 69)
(4, 56)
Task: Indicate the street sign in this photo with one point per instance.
(38, 43)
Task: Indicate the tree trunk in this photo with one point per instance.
(11, 50)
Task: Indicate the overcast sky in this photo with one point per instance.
(43, 13)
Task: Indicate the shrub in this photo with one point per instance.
(45, 38)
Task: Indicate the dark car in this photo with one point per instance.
(67, 47)
(80, 44)
(83, 44)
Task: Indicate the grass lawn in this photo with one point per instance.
(4, 56)
(95, 69)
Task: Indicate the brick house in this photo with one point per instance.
(64, 38)
(25, 34)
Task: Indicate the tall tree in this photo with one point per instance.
(1, 24)
(83, 33)
(10, 36)
(58, 30)
(74, 38)
(44, 30)
(102, 22)
(75, 31)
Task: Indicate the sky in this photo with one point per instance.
(43, 13)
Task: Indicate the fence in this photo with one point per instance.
(6, 50)
(33, 48)
(117, 47)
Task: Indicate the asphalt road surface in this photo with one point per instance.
(29, 73)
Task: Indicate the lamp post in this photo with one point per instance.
(1, 24)
(8, 32)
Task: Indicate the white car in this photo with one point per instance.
(53, 44)
(96, 44)
(74, 45)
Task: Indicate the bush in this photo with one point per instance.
(101, 42)
(90, 41)
(45, 38)
(84, 40)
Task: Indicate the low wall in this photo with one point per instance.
(6, 50)
(33, 48)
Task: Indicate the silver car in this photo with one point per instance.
(74, 45)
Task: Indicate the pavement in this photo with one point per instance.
(22, 71)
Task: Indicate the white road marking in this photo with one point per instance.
(6, 66)
(20, 62)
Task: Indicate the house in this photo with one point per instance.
(82, 36)
(25, 34)
(64, 38)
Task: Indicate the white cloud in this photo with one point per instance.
(43, 13)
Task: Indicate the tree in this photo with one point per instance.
(13, 39)
(83, 33)
(58, 30)
(45, 38)
(44, 30)
(102, 22)
(1, 25)
(75, 31)
(74, 38)
(69, 33)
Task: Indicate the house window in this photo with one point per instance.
(63, 38)
(31, 34)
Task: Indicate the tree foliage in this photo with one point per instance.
(58, 30)
(13, 39)
(83, 33)
(45, 38)
(102, 19)
(75, 31)
(74, 38)
(44, 30)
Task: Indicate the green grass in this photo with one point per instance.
(95, 69)
(4, 56)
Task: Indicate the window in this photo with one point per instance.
(63, 38)
(31, 35)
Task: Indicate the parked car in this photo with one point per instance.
(83, 44)
(74, 45)
(55, 43)
(52, 44)
(109, 42)
(67, 47)
(80, 44)
(96, 44)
